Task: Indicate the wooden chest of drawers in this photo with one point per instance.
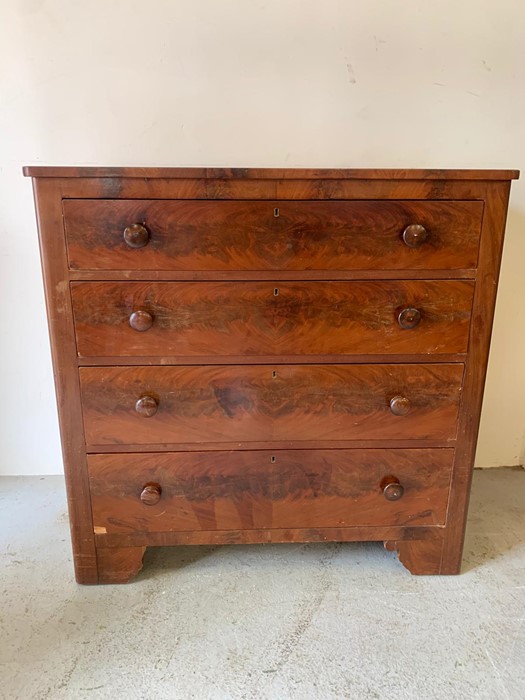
(257, 355)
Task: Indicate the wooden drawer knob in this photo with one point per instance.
(141, 320)
(151, 494)
(392, 489)
(400, 405)
(409, 318)
(414, 235)
(147, 406)
(136, 236)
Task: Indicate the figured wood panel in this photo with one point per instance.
(228, 404)
(278, 235)
(267, 189)
(282, 489)
(192, 319)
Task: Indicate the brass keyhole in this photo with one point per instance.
(276, 292)
(276, 212)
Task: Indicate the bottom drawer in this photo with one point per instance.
(191, 491)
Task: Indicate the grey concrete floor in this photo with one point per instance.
(303, 622)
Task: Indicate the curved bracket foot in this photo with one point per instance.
(421, 557)
(119, 564)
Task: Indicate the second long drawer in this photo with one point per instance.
(192, 319)
(253, 403)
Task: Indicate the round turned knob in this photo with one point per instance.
(151, 494)
(409, 318)
(136, 236)
(400, 405)
(141, 320)
(147, 406)
(414, 235)
(392, 489)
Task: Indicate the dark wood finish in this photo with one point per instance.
(278, 235)
(331, 227)
(63, 350)
(422, 557)
(103, 361)
(269, 173)
(409, 318)
(146, 406)
(137, 236)
(400, 405)
(392, 488)
(415, 235)
(266, 536)
(151, 494)
(118, 565)
(263, 444)
(261, 318)
(254, 490)
(268, 275)
(258, 403)
(475, 372)
(285, 189)
(140, 320)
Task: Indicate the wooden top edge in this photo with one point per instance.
(269, 173)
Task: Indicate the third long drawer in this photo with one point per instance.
(229, 405)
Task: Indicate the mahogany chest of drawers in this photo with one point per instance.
(254, 355)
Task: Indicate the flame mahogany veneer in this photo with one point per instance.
(251, 355)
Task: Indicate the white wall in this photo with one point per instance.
(347, 83)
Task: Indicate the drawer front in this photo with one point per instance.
(279, 235)
(247, 404)
(192, 319)
(262, 489)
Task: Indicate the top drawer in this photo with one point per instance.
(185, 235)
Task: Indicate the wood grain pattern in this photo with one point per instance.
(269, 173)
(63, 350)
(266, 189)
(312, 444)
(266, 275)
(261, 318)
(119, 565)
(225, 404)
(361, 533)
(278, 235)
(317, 406)
(105, 361)
(475, 371)
(422, 557)
(251, 490)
